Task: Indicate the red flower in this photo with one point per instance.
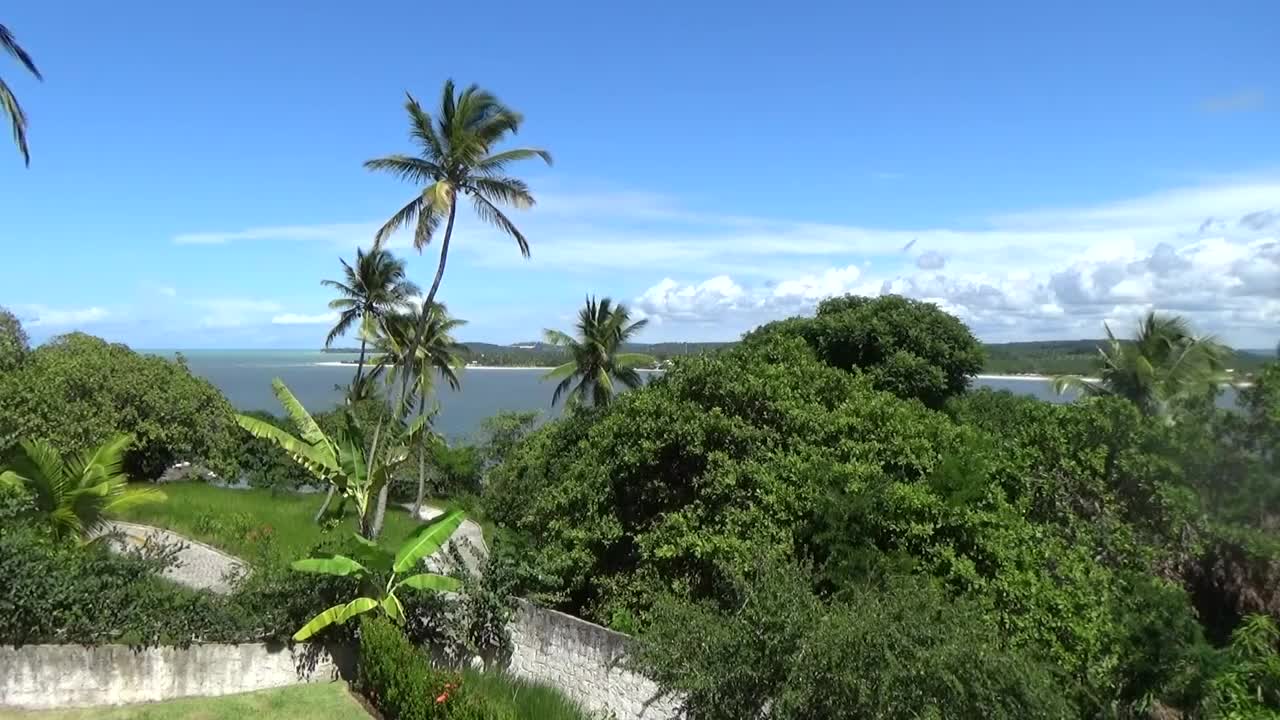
(442, 697)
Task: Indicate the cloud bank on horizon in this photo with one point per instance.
(1210, 252)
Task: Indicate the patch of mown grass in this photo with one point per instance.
(319, 701)
(257, 525)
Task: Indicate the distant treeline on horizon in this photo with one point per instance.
(1041, 357)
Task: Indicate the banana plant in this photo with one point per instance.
(382, 575)
(356, 466)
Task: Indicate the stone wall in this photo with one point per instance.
(52, 676)
(585, 661)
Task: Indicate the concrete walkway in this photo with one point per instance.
(198, 565)
(204, 567)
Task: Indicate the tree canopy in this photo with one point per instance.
(907, 347)
(77, 391)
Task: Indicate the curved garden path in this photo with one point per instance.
(205, 567)
(198, 565)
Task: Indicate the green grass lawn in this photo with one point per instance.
(257, 525)
(320, 701)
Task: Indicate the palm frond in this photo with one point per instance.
(498, 162)
(505, 190)
(492, 215)
(11, 46)
(17, 120)
(421, 128)
(345, 320)
(406, 167)
(555, 337)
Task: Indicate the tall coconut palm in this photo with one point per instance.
(596, 361)
(375, 288)
(436, 353)
(456, 158)
(1163, 363)
(8, 101)
(76, 493)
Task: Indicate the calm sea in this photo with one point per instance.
(244, 376)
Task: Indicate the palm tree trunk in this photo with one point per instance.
(360, 364)
(429, 300)
(422, 461)
(381, 512)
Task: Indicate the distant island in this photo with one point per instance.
(1042, 357)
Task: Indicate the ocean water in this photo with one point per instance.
(244, 376)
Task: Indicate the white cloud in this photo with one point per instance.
(235, 312)
(42, 316)
(298, 319)
(1229, 286)
(167, 291)
(1242, 101)
(1056, 271)
(345, 233)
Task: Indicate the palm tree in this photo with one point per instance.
(436, 350)
(455, 157)
(1163, 363)
(8, 102)
(373, 289)
(76, 493)
(596, 361)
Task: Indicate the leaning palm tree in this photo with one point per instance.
(375, 288)
(434, 353)
(456, 158)
(595, 358)
(75, 494)
(1162, 364)
(8, 102)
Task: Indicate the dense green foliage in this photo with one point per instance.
(1116, 549)
(56, 592)
(721, 455)
(907, 347)
(77, 391)
(769, 648)
(73, 495)
(14, 344)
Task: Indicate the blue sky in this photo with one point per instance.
(196, 167)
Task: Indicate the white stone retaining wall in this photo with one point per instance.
(56, 676)
(585, 661)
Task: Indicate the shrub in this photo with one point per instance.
(401, 684)
(68, 593)
(770, 648)
(77, 390)
(907, 347)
